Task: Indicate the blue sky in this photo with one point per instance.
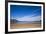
(25, 13)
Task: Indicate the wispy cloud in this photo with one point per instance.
(29, 18)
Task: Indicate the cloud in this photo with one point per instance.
(29, 18)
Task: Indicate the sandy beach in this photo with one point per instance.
(14, 26)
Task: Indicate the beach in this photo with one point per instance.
(15, 26)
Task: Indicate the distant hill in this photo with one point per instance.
(13, 20)
(24, 22)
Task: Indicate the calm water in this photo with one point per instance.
(22, 22)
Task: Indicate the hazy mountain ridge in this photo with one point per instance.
(24, 22)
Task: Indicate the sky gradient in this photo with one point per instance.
(25, 13)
